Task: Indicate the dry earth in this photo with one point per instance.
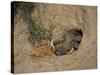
(61, 16)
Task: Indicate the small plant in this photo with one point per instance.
(38, 32)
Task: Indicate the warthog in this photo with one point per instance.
(70, 42)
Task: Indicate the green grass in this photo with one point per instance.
(38, 32)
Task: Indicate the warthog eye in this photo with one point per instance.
(56, 43)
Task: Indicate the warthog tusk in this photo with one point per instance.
(71, 51)
(52, 45)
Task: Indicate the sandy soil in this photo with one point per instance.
(61, 16)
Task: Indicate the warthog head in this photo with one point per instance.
(68, 41)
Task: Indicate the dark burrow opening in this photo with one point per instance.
(72, 39)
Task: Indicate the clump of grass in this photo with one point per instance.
(38, 32)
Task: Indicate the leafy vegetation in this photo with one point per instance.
(38, 32)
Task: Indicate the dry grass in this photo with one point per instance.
(42, 49)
